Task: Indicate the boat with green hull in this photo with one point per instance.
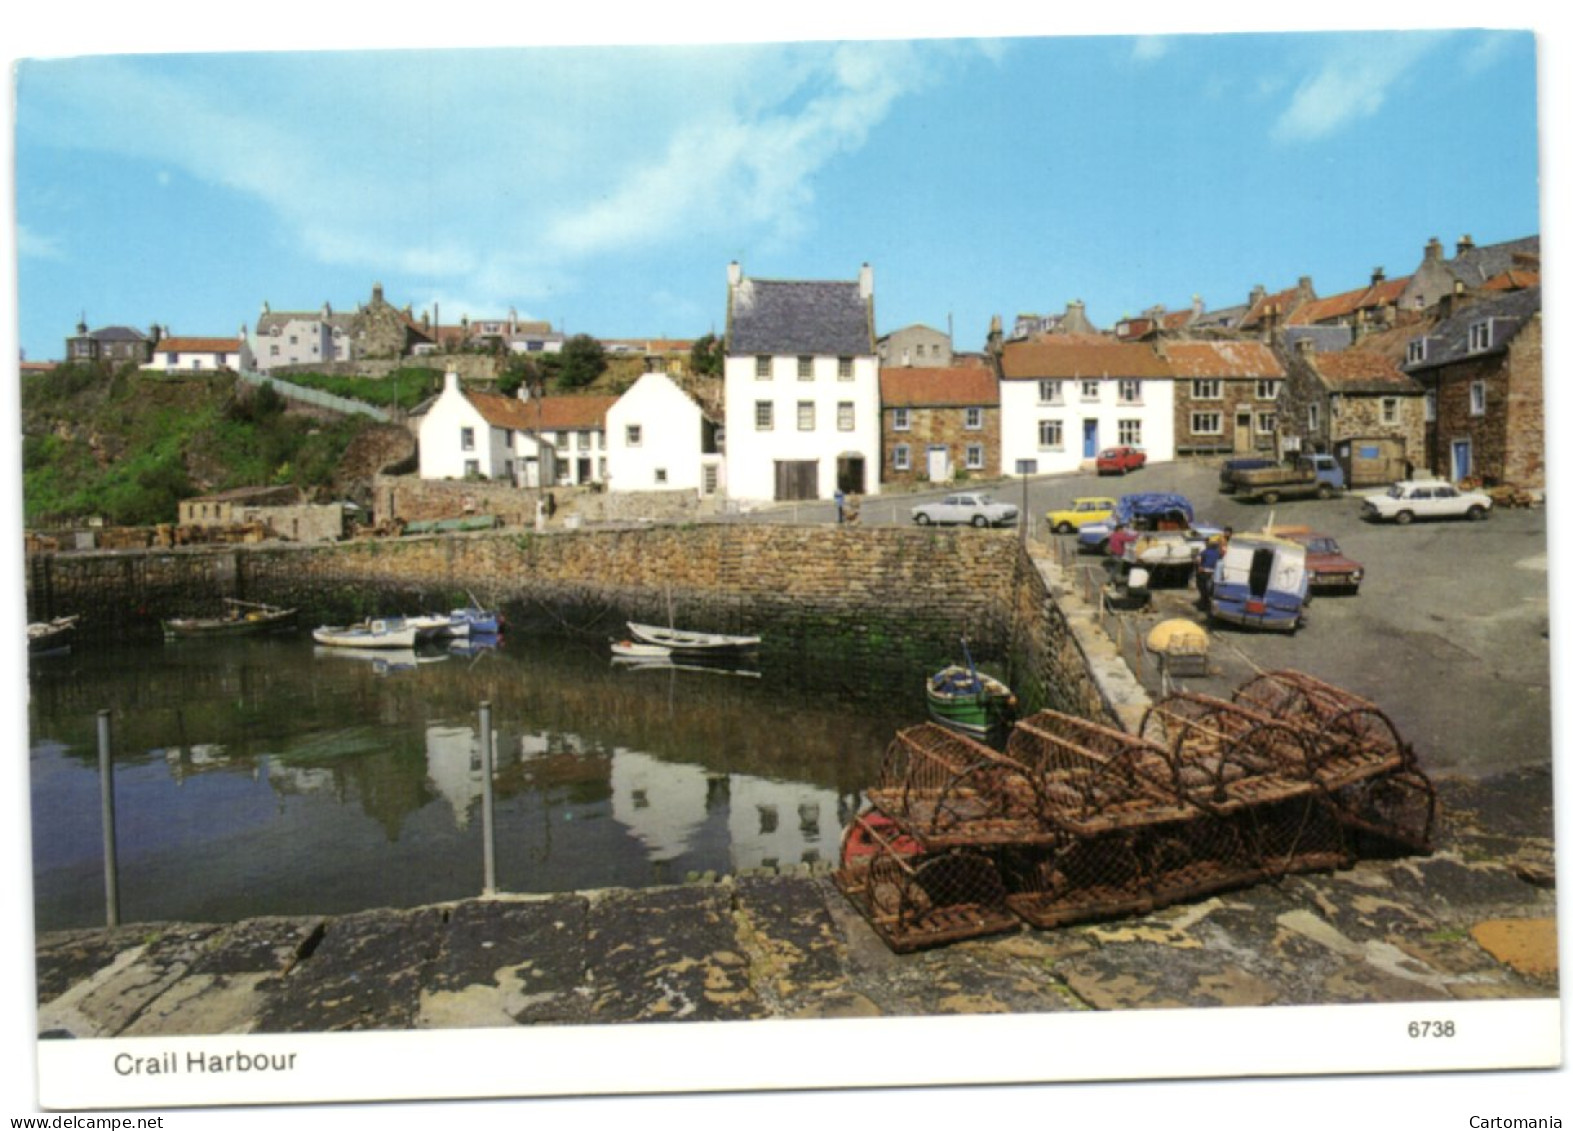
(964, 699)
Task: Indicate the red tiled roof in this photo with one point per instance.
(1362, 371)
(197, 345)
(1222, 359)
(1075, 357)
(1280, 304)
(1346, 304)
(1512, 281)
(542, 414)
(911, 386)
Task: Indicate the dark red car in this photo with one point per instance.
(1121, 459)
(1330, 570)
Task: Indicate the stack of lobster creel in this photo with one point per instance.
(1075, 821)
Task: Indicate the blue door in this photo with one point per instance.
(1089, 439)
(1463, 465)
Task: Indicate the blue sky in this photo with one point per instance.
(606, 188)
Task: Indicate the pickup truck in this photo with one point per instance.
(1318, 475)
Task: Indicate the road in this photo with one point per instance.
(1449, 633)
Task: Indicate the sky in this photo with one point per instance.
(606, 188)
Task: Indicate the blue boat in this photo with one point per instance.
(1262, 582)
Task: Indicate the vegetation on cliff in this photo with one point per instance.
(128, 447)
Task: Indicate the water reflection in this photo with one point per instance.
(259, 777)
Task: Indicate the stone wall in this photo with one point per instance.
(413, 499)
(886, 600)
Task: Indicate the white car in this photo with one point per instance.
(1410, 499)
(973, 508)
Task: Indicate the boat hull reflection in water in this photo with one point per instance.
(257, 777)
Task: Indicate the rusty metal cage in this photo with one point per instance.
(1227, 757)
(914, 900)
(951, 791)
(1092, 778)
(1354, 739)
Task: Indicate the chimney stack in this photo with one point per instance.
(866, 281)
(1466, 243)
(1378, 275)
(1434, 250)
(734, 273)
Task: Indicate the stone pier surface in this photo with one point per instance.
(1475, 920)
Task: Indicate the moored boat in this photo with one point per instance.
(384, 632)
(45, 638)
(969, 701)
(691, 643)
(241, 618)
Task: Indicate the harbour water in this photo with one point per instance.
(274, 777)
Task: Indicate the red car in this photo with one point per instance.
(1121, 459)
(1330, 570)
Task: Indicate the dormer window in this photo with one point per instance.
(1480, 336)
(1417, 351)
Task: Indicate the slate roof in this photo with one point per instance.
(1228, 316)
(118, 334)
(1077, 357)
(969, 386)
(1323, 339)
(1222, 359)
(1478, 264)
(1362, 371)
(1449, 342)
(278, 319)
(801, 317)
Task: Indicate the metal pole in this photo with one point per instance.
(106, 786)
(488, 828)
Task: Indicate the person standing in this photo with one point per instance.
(841, 506)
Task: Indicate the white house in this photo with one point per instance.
(802, 388)
(300, 337)
(1064, 399)
(658, 438)
(200, 355)
(469, 434)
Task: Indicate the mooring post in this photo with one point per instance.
(106, 789)
(488, 829)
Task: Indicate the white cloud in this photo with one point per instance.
(1352, 84)
(1149, 47)
(35, 245)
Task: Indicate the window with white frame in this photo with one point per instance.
(1207, 389)
(1389, 410)
(901, 419)
(1480, 336)
(901, 457)
(581, 441)
(1267, 390)
(1089, 390)
(1266, 422)
(1051, 435)
(1130, 391)
(635, 435)
(1430, 406)
(805, 369)
(1049, 392)
(1129, 432)
(467, 439)
(660, 476)
(974, 457)
(1477, 398)
(974, 419)
(846, 417)
(562, 441)
(843, 369)
(1207, 423)
(764, 416)
(472, 469)
(762, 368)
(1417, 351)
(805, 416)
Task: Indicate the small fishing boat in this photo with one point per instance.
(638, 650)
(385, 632)
(969, 701)
(240, 618)
(469, 621)
(691, 643)
(51, 637)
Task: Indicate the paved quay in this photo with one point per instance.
(1474, 920)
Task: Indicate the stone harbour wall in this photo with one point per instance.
(877, 597)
